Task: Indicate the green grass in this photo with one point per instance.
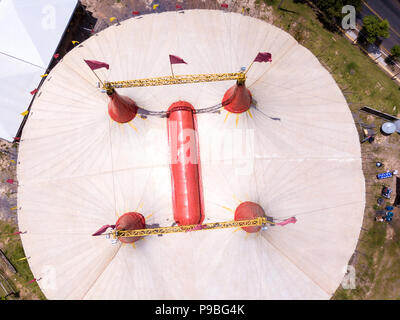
(376, 235)
(369, 84)
(14, 251)
(352, 67)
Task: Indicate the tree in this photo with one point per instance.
(395, 52)
(333, 8)
(373, 28)
(394, 55)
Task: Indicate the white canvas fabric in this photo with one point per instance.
(296, 153)
(29, 34)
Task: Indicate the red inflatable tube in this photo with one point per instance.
(187, 196)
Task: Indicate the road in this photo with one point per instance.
(385, 9)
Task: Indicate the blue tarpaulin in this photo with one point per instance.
(384, 175)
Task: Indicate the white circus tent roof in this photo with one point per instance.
(29, 35)
(79, 170)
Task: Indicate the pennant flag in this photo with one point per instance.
(24, 113)
(178, 6)
(93, 64)
(74, 42)
(103, 229)
(155, 6)
(34, 91)
(263, 57)
(285, 222)
(34, 280)
(12, 161)
(135, 12)
(17, 138)
(24, 258)
(13, 208)
(175, 59)
(19, 232)
(224, 5)
(10, 181)
(44, 75)
(112, 19)
(56, 55)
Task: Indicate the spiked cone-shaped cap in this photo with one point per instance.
(237, 99)
(121, 108)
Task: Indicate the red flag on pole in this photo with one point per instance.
(224, 5)
(93, 64)
(10, 181)
(34, 91)
(178, 6)
(263, 57)
(56, 55)
(103, 229)
(34, 280)
(135, 12)
(290, 220)
(175, 59)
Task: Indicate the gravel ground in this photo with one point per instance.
(103, 10)
(8, 192)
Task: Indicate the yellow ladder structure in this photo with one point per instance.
(177, 79)
(194, 227)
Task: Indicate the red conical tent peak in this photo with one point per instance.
(130, 221)
(237, 99)
(249, 210)
(120, 108)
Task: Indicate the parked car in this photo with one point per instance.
(386, 192)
